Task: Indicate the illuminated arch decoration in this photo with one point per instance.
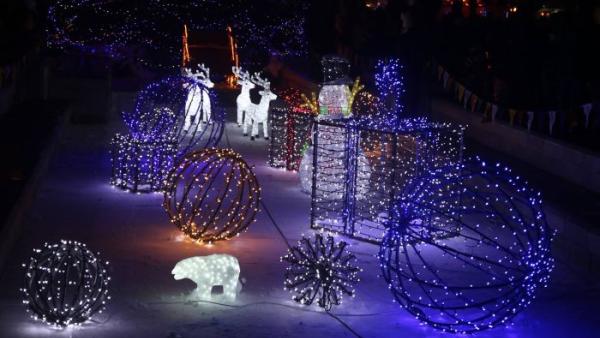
(163, 126)
(212, 195)
(65, 284)
(488, 268)
(229, 43)
(320, 269)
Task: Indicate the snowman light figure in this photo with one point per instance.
(335, 91)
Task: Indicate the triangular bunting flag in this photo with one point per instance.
(587, 109)
(551, 120)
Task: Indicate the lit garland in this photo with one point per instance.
(154, 27)
(209, 271)
(490, 263)
(212, 195)
(164, 125)
(65, 284)
(92, 26)
(358, 163)
(320, 270)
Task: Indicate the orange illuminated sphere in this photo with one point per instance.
(212, 195)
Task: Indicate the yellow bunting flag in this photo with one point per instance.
(461, 92)
(511, 116)
(520, 117)
(474, 99)
(487, 108)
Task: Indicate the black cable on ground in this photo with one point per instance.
(264, 206)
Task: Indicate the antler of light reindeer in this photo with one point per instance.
(257, 80)
(356, 87)
(240, 73)
(203, 71)
(311, 104)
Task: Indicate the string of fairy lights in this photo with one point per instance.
(463, 246)
(212, 195)
(320, 269)
(467, 252)
(171, 117)
(358, 166)
(65, 284)
(389, 82)
(154, 28)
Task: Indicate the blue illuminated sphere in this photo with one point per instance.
(468, 247)
(161, 111)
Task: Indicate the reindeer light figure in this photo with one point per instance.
(259, 113)
(198, 99)
(243, 100)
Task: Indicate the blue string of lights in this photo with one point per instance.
(467, 252)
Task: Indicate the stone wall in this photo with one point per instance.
(574, 164)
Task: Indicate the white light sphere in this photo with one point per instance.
(65, 284)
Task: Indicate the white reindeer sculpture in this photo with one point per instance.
(198, 99)
(243, 100)
(259, 113)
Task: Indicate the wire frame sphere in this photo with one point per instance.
(65, 284)
(468, 251)
(174, 107)
(321, 270)
(212, 195)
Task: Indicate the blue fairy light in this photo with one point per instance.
(164, 125)
(467, 248)
(390, 85)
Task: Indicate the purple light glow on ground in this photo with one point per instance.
(133, 232)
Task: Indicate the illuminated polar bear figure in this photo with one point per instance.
(208, 271)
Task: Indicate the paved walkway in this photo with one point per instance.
(133, 232)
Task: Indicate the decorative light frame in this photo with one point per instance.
(360, 163)
(320, 270)
(158, 136)
(212, 195)
(290, 135)
(490, 264)
(65, 284)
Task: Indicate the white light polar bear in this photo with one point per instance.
(208, 271)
